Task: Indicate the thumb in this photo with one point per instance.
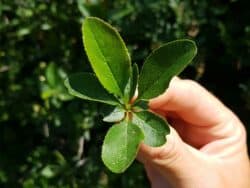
(170, 153)
(174, 160)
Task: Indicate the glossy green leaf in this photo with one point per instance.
(162, 64)
(117, 114)
(140, 105)
(86, 86)
(132, 84)
(107, 54)
(153, 126)
(121, 145)
(135, 80)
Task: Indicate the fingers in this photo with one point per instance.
(174, 160)
(201, 119)
(191, 102)
(170, 152)
(147, 153)
(156, 178)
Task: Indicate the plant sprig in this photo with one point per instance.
(115, 82)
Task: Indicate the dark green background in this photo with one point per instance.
(47, 138)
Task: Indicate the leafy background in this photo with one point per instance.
(48, 138)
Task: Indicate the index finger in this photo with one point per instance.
(191, 102)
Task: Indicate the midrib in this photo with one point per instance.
(106, 62)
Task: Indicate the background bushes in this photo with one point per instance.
(50, 139)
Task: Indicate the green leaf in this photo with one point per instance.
(162, 64)
(52, 76)
(86, 86)
(153, 126)
(107, 54)
(121, 145)
(132, 84)
(135, 80)
(117, 114)
(140, 105)
(48, 172)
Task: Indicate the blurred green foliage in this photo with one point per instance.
(48, 138)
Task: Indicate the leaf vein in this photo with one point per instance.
(106, 62)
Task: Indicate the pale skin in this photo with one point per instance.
(206, 147)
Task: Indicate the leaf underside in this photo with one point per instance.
(116, 115)
(132, 84)
(107, 54)
(121, 145)
(153, 126)
(135, 77)
(86, 86)
(162, 64)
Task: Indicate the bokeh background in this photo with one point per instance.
(49, 139)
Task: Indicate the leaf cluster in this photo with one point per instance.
(35, 34)
(115, 82)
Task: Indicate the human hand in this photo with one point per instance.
(206, 147)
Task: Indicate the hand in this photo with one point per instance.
(206, 147)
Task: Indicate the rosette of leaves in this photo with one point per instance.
(115, 81)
